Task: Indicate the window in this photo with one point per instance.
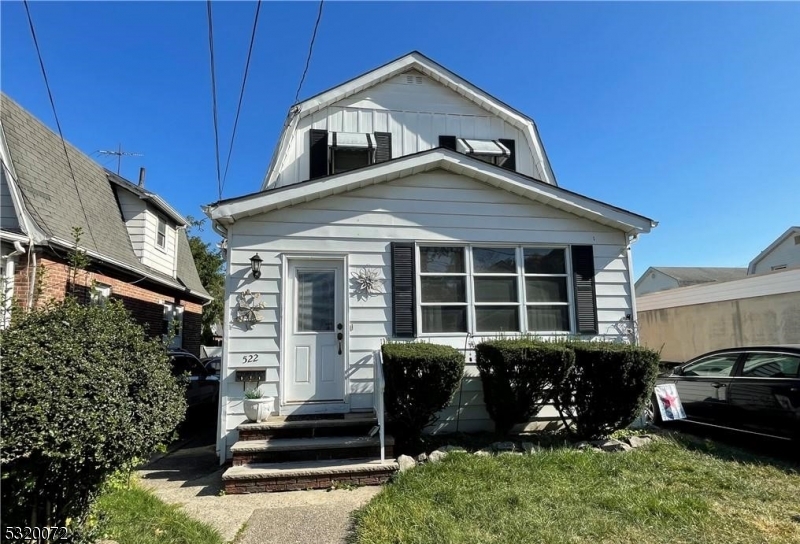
(491, 151)
(494, 289)
(771, 365)
(337, 152)
(778, 267)
(161, 234)
(546, 295)
(443, 289)
(316, 300)
(716, 366)
(173, 324)
(100, 294)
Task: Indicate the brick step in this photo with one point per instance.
(280, 450)
(296, 476)
(294, 427)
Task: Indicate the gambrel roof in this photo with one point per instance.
(228, 211)
(419, 62)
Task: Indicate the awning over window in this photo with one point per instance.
(352, 140)
(482, 147)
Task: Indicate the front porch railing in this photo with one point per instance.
(379, 384)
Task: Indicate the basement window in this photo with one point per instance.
(351, 150)
(491, 151)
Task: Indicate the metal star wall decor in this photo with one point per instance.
(247, 306)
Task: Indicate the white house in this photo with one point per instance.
(416, 177)
(663, 278)
(781, 254)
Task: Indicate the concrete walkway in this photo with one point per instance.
(191, 478)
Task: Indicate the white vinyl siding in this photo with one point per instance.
(134, 211)
(7, 271)
(160, 258)
(415, 115)
(786, 254)
(431, 208)
(8, 214)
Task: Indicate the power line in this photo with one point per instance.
(213, 93)
(310, 49)
(241, 96)
(58, 123)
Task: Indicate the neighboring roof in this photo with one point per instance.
(228, 211)
(790, 232)
(56, 203)
(157, 202)
(771, 283)
(412, 61)
(694, 275)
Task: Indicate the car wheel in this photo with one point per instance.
(652, 414)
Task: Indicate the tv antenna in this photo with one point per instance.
(119, 154)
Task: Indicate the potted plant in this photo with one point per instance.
(257, 408)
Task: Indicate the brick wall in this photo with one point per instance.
(144, 303)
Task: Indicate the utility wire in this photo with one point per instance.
(58, 123)
(241, 96)
(213, 93)
(310, 49)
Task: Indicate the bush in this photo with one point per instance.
(84, 394)
(420, 381)
(607, 387)
(518, 377)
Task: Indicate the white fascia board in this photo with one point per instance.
(26, 221)
(772, 283)
(288, 132)
(594, 210)
(161, 204)
(751, 268)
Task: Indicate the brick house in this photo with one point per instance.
(136, 242)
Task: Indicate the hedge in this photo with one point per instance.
(519, 377)
(84, 393)
(420, 381)
(607, 387)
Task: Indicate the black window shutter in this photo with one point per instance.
(511, 161)
(448, 142)
(383, 151)
(583, 284)
(318, 153)
(403, 281)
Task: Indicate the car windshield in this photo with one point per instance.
(183, 364)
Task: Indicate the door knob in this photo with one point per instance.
(718, 385)
(339, 337)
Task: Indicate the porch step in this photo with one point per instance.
(279, 450)
(305, 427)
(264, 478)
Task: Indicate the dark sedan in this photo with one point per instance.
(753, 390)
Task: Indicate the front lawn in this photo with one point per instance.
(673, 491)
(132, 515)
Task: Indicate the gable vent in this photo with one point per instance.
(414, 80)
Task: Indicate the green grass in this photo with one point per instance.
(669, 492)
(132, 515)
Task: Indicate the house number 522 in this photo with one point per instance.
(252, 358)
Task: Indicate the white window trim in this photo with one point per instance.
(100, 294)
(470, 290)
(160, 219)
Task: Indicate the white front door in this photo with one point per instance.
(314, 361)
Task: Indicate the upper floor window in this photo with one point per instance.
(161, 234)
(500, 152)
(337, 152)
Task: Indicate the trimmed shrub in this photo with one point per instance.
(420, 381)
(518, 377)
(607, 387)
(84, 394)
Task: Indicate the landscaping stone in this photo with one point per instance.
(436, 456)
(529, 447)
(422, 457)
(406, 463)
(583, 445)
(503, 446)
(637, 441)
(484, 452)
(611, 445)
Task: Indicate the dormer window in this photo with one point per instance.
(161, 234)
(351, 150)
(491, 151)
(337, 152)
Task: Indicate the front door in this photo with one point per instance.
(314, 361)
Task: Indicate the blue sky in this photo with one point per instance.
(686, 113)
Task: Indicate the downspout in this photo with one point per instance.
(632, 238)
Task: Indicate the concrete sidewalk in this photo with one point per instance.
(190, 476)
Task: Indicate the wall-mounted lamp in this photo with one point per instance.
(255, 265)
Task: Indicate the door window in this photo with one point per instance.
(717, 366)
(771, 365)
(316, 299)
